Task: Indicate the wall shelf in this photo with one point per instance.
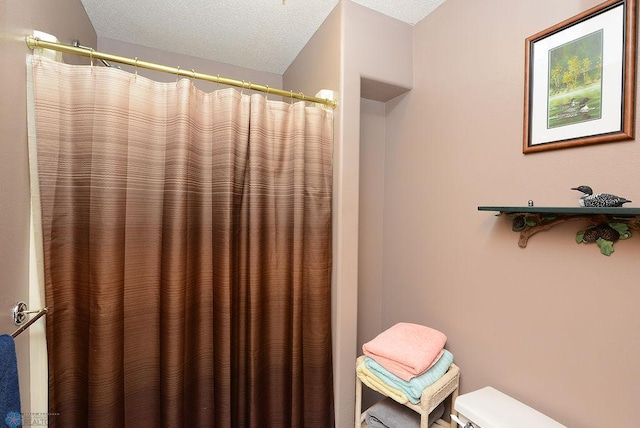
(605, 225)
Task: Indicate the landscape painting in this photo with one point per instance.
(575, 81)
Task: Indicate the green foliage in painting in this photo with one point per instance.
(575, 81)
(576, 64)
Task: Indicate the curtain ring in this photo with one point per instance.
(218, 83)
(242, 91)
(291, 97)
(36, 46)
(135, 78)
(177, 74)
(91, 57)
(193, 74)
(267, 97)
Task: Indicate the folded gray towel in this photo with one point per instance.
(387, 413)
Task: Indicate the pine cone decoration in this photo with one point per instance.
(603, 231)
(591, 234)
(518, 223)
(608, 233)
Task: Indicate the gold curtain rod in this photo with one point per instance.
(34, 43)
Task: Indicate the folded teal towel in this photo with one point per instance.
(413, 388)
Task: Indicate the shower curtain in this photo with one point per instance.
(187, 252)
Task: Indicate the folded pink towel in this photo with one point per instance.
(406, 349)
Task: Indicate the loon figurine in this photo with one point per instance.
(599, 199)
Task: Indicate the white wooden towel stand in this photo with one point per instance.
(445, 388)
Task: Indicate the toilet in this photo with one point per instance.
(490, 408)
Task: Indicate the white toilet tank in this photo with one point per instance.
(490, 408)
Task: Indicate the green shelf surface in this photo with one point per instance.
(613, 211)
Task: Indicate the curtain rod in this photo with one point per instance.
(35, 42)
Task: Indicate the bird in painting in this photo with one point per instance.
(589, 199)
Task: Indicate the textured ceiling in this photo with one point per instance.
(264, 35)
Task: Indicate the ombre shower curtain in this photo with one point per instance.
(187, 253)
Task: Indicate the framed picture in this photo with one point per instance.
(580, 79)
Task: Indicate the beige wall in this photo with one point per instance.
(67, 20)
(354, 44)
(377, 61)
(370, 227)
(556, 324)
(188, 62)
(318, 66)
